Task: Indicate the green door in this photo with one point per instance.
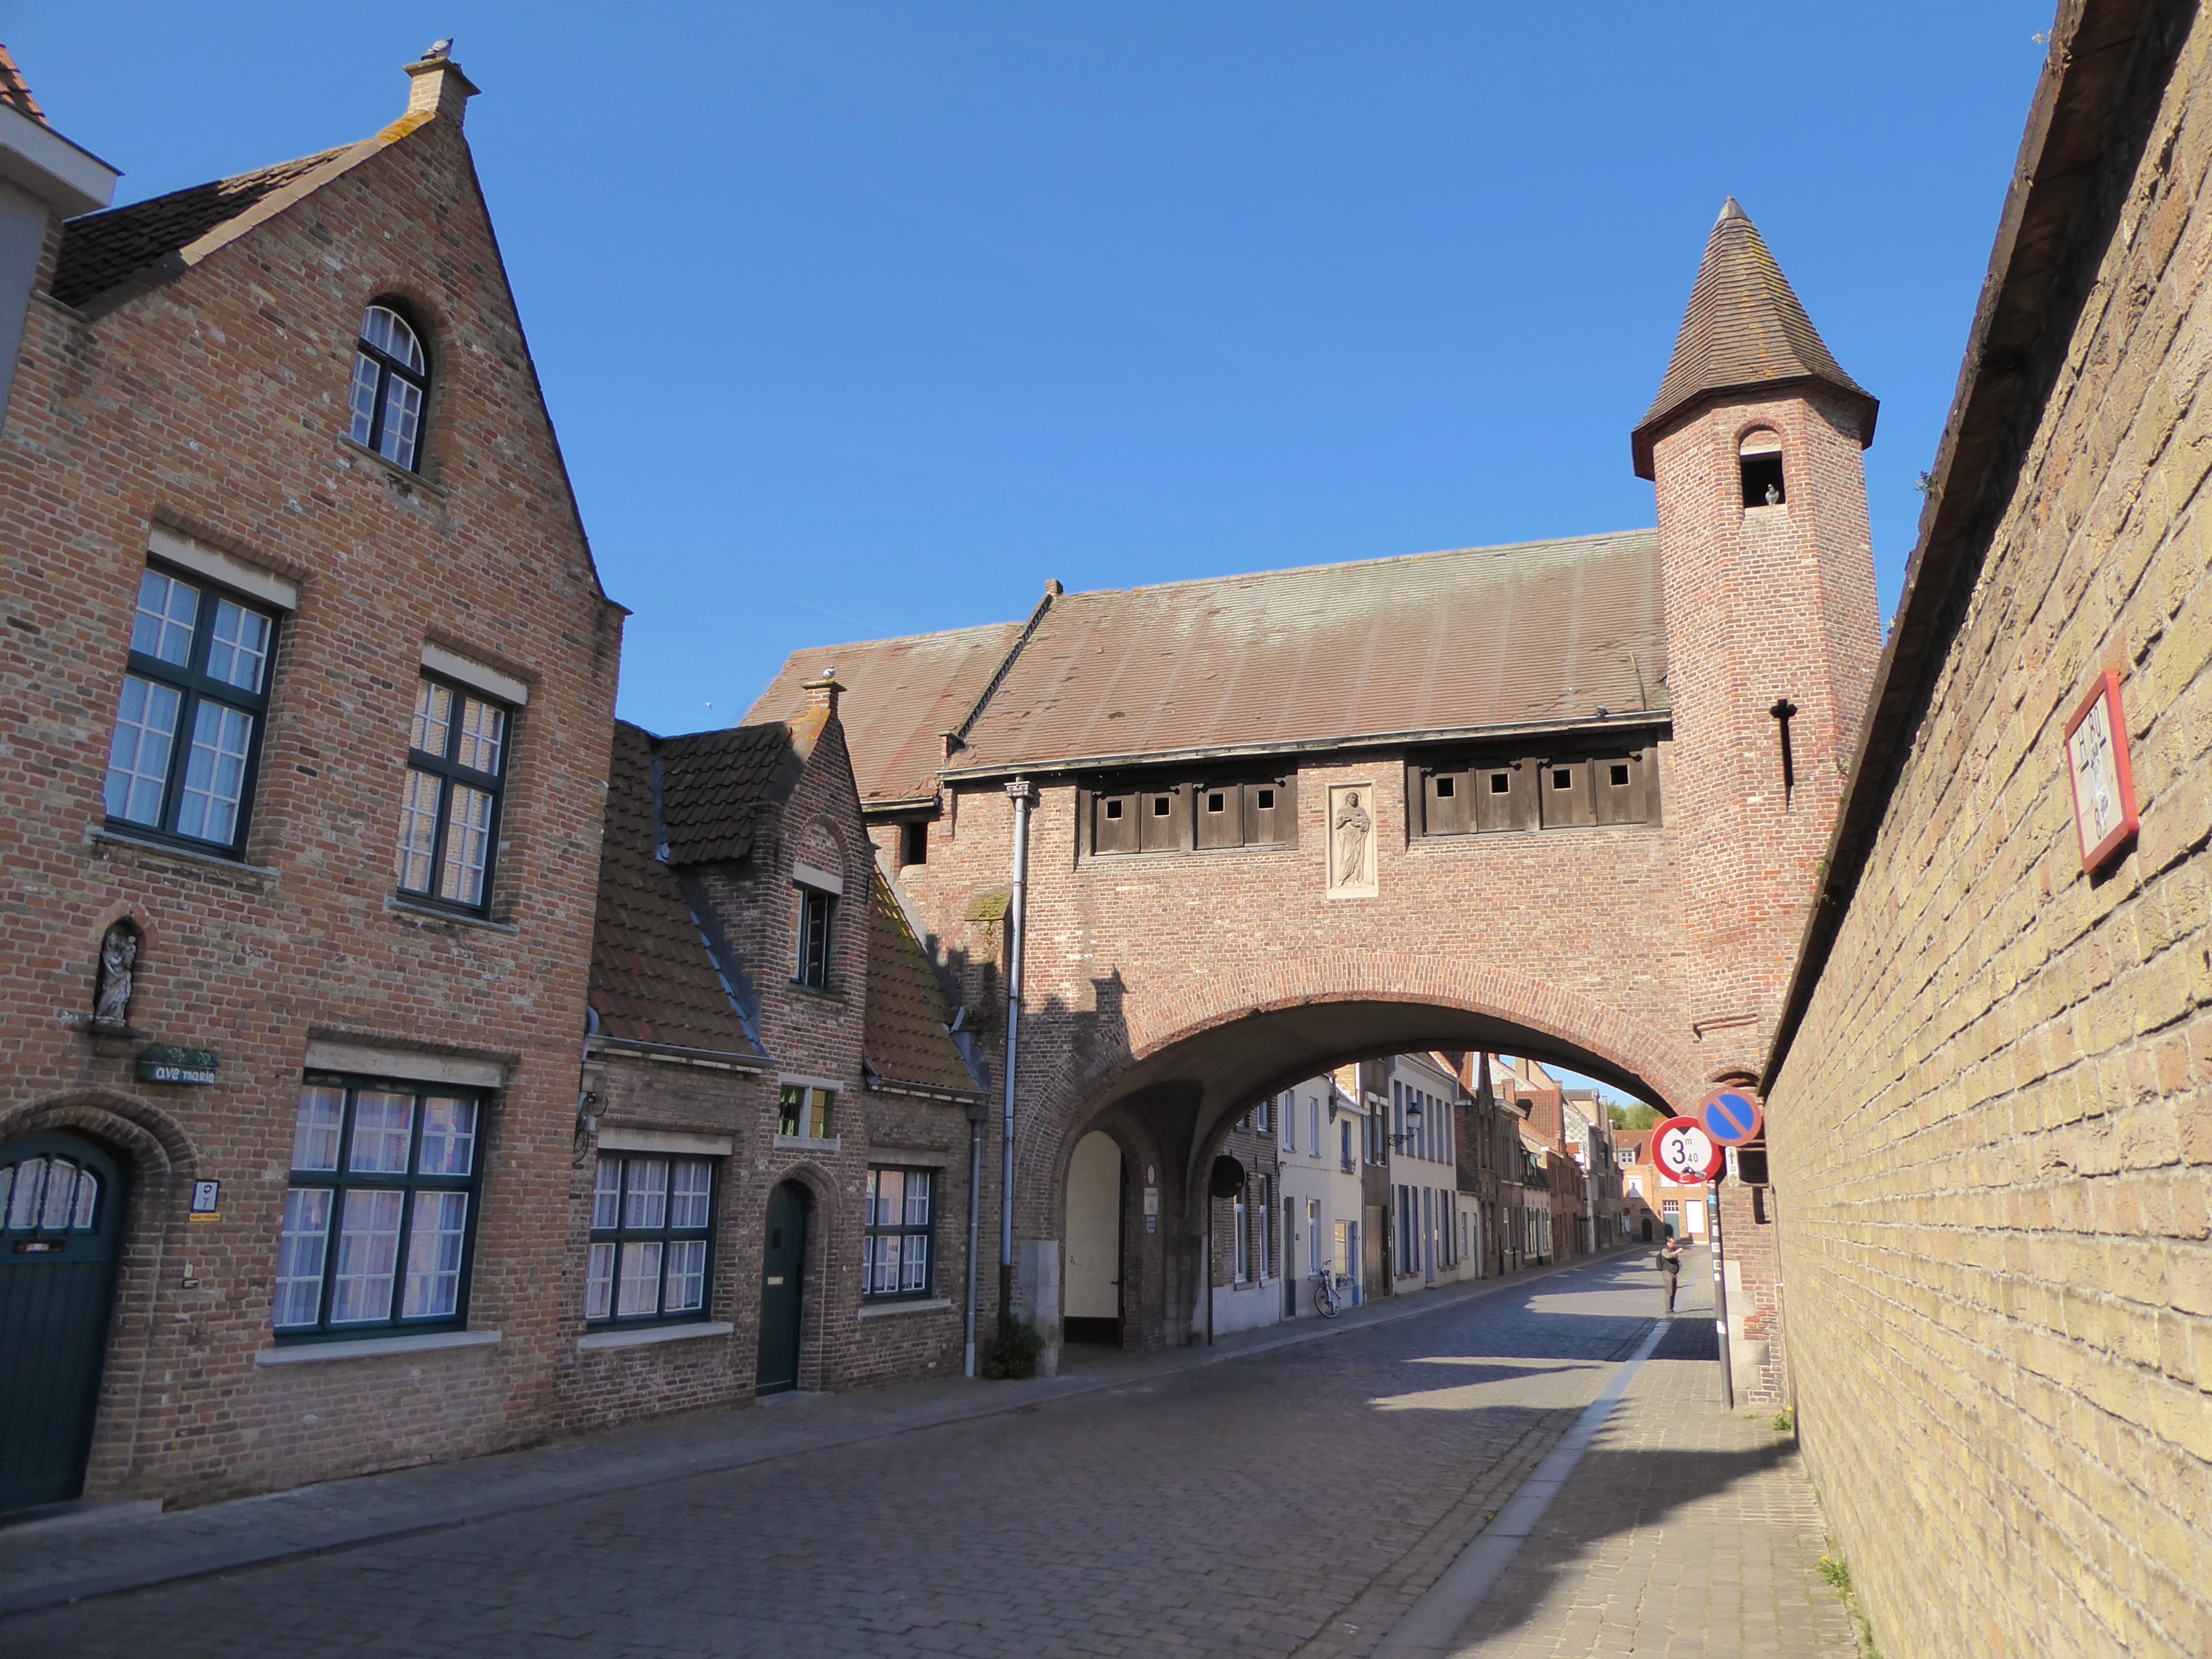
(61, 1231)
(783, 1266)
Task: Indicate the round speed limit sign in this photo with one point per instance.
(1685, 1152)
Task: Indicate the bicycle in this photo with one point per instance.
(1327, 1302)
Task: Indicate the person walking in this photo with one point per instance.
(1670, 1265)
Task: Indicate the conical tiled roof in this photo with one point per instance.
(1746, 327)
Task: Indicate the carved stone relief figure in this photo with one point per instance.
(118, 958)
(1352, 841)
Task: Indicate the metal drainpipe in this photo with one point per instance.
(975, 1216)
(1017, 917)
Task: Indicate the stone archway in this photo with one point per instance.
(1178, 1085)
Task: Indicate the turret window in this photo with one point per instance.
(1759, 459)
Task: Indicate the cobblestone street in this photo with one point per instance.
(1295, 1500)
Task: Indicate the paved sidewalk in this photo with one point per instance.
(52, 1564)
(1684, 1530)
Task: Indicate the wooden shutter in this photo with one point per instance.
(1565, 792)
(1271, 818)
(1113, 821)
(1220, 814)
(1447, 801)
(1504, 794)
(1619, 787)
(1161, 815)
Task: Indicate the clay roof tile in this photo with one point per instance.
(100, 250)
(654, 978)
(714, 784)
(904, 1037)
(15, 91)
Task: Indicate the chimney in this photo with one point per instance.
(821, 693)
(438, 87)
(821, 708)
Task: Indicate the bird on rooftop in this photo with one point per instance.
(438, 48)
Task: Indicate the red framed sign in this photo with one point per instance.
(1685, 1153)
(2103, 781)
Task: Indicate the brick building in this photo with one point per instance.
(767, 1041)
(1990, 1103)
(310, 679)
(1204, 782)
(386, 1111)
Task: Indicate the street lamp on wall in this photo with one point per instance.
(1412, 1122)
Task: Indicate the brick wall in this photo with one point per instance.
(820, 1034)
(215, 403)
(1569, 934)
(1993, 1133)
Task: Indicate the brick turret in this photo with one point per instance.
(1772, 626)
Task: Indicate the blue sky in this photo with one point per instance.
(860, 318)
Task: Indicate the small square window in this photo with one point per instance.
(804, 1113)
(1161, 806)
(914, 844)
(1445, 785)
(1500, 783)
(1617, 773)
(1113, 809)
(1267, 800)
(1213, 801)
(1562, 779)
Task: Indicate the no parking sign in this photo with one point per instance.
(1685, 1152)
(1731, 1117)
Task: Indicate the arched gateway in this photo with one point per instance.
(1564, 798)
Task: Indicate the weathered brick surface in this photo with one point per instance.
(215, 405)
(1993, 1133)
(810, 1034)
(1136, 963)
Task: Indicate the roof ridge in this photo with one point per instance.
(1364, 564)
(291, 168)
(1246, 576)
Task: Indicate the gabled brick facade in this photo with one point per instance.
(200, 402)
(701, 1023)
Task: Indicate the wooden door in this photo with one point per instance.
(783, 1285)
(61, 1232)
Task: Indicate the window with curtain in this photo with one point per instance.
(652, 1227)
(391, 379)
(187, 735)
(449, 805)
(898, 1234)
(380, 1217)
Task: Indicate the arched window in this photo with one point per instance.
(1759, 461)
(390, 377)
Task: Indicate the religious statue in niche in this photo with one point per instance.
(1352, 841)
(118, 960)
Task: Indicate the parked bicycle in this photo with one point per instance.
(1326, 1300)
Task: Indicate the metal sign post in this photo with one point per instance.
(1720, 1299)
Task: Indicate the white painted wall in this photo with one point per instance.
(1094, 1229)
